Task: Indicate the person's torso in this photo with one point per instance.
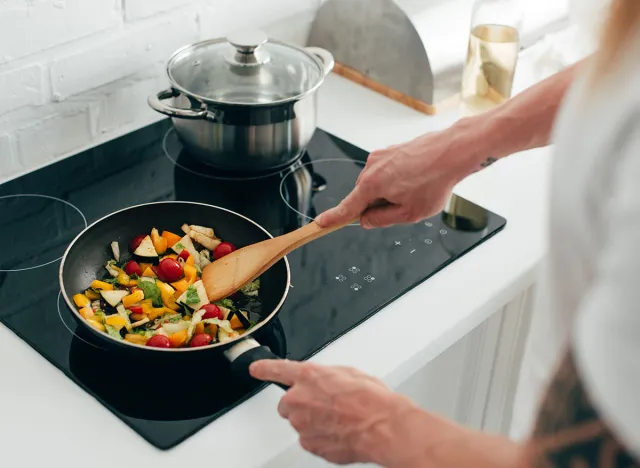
(584, 166)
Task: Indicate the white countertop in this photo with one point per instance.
(46, 420)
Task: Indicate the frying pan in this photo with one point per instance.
(86, 256)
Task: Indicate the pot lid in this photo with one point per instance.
(245, 68)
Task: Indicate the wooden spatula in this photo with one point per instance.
(227, 275)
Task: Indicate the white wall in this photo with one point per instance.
(77, 72)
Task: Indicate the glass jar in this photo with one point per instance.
(494, 43)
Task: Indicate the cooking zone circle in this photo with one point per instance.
(36, 229)
(178, 155)
(331, 193)
(67, 326)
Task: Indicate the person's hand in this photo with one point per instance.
(341, 414)
(415, 178)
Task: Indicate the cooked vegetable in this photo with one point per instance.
(115, 248)
(201, 339)
(122, 312)
(212, 311)
(251, 289)
(146, 249)
(101, 285)
(81, 300)
(151, 291)
(206, 231)
(113, 298)
(135, 242)
(164, 305)
(185, 244)
(132, 268)
(169, 270)
(159, 341)
(206, 242)
(91, 294)
(225, 248)
(159, 243)
(172, 238)
(133, 298)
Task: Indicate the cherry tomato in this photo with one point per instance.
(132, 268)
(223, 249)
(212, 311)
(136, 309)
(169, 270)
(184, 255)
(135, 242)
(201, 339)
(159, 341)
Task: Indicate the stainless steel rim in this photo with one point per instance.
(262, 323)
(206, 100)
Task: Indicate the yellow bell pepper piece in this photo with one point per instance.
(87, 313)
(190, 274)
(81, 300)
(125, 279)
(159, 243)
(137, 339)
(173, 256)
(199, 328)
(148, 273)
(235, 322)
(92, 295)
(190, 260)
(180, 286)
(167, 294)
(178, 339)
(116, 321)
(97, 325)
(156, 312)
(136, 296)
(172, 239)
(97, 284)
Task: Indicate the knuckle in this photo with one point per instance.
(308, 372)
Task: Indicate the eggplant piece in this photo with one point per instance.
(113, 298)
(146, 250)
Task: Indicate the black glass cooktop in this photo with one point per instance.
(337, 281)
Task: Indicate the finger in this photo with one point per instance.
(276, 370)
(350, 208)
(383, 216)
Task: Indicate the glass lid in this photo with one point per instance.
(245, 68)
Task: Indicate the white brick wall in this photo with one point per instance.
(74, 73)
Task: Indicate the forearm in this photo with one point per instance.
(524, 122)
(417, 439)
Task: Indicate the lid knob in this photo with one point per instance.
(247, 41)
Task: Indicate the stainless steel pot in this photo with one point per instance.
(244, 103)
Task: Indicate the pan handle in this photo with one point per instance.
(244, 353)
(155, 101)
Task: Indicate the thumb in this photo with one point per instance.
(383, 216)
(276, 370)
(350, 208)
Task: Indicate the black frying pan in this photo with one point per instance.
(86, 256)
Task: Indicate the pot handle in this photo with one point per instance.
(244, 353)
(155, 101)
(325, 56)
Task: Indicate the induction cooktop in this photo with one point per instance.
(337, 281)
